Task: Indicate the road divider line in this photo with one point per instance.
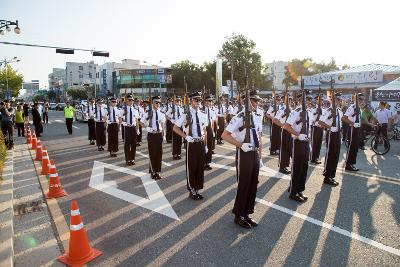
(330, 227)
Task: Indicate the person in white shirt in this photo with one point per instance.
(352, 117)
(174, 114)
(383, 116)
(168, 123)
(114, 122)
(210, 130)
(153, 119)
(90, 113)
(275, 130)
(131, 122)
(140, 110)
(247, 142)
(331, 120)
(100, 120)
(195, 133)
(286, 140)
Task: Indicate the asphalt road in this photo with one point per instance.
(356, 223)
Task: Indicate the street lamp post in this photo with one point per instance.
(6, 24)
(6, 62)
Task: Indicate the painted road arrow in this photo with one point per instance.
(156, 200)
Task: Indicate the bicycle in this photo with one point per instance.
(379, 144)
(394, 133)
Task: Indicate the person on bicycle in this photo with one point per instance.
(382, 115)
(366, 124)
(7, 124)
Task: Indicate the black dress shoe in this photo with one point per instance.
(138, 144)
(297, 198)
(303, 196)
(315, 162)
(99, 149)
(241, 221)
(220, 143)
(193, 196)
(284, 171)
(199, 196)
(274, 153)
(331, 181)
(213, 152)
(175, 158)
(133, 162)
(250, 221)
(351, 168)
(207, 167)
(128, 163)
(179, 157)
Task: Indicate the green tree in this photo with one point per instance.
(51, 95)
(77, 93)
(14, 78)
(239, 52)
(191, 71)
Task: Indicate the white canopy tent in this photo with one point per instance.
(389, 93)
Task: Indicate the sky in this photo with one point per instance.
(353, 32)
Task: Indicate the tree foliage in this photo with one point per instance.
(77, 93)
(15, 80)
(240, 53)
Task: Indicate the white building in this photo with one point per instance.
(277, 70)
(29, 89)
(78, 74)
(57, 78)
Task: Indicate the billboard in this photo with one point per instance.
(344, 78)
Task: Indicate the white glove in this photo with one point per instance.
(334, 129)
(148, 129)
(137, 132)
(165, 139)
(206, 149)
(302, 137)
(356, 125)
(189, 139)
(246, 147)
(261, 163)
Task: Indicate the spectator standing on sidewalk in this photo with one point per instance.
(46, 113)
(19, 120)
(69, 116)
(37, 120)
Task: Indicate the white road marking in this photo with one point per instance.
(147, 156)
(59, 121)
(331, 227)
(156, 200)
(265, 171)
(75, 127)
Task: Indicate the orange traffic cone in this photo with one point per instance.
(45, 163)
(28, 138)
(52, 167)
(34, 142)
(79, 251)
(39, 152)
(55, 189)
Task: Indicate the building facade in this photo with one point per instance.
(78, 74)
(29, 89)
(277, 71)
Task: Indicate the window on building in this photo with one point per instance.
(80, 67)
(80, 76)
(90, 75)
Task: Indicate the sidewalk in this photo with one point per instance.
(34, 238)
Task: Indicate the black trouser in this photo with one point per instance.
(228, 118)
(382, 129)
(275, 137)
(317, 134)
(139, 136)
(300, 156)
(154, 145)
(221, 126)
(112, 130)
(346, 131)
(123, 132)
(210, 141)
(215, 128)
(352, 150)
(7, 128)
(332, 154)
(38, 127)
(45, 117)
(68, 122)
(100, 133)
(176, 144)
(92, 129)
(20, 127)
(286, 149)
(247, 169)
(130, 142)
(195, 157)
(168, 131)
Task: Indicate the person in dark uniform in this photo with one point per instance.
(331, 121)
(352, 117)
(168, 124)
(140, 110)
(210, 131)
(37, 120)
(221, 112)
(275, 133)
(174, 115)
(300, 151)
(247, 160)
(286, 139)
(131, 121)
(194, 132)
(114, 121)
(153, 119)
(100, 119)
(90, 113)
(7, 124)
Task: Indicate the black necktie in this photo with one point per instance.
(253, 130)
(130, 115)
(115, 120)
(198, 125)
(337, 121)
(100, 114)
(158, 127)
(179, 114)
(209, 120)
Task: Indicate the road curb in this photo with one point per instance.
(7, 212)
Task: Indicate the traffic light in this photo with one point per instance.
(101, 54)
(65, 51)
